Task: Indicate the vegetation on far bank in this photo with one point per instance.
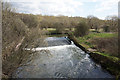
(104, 45)
(101, 41)
(22, 30)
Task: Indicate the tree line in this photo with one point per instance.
(19, 26)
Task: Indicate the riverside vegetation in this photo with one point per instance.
(22, 30)
(17, 33)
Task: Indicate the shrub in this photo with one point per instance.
(30, 20)
(31, 38)
(106, 28)
(16, 35)
(13, 29)
(81, 29)
(59, 27)
(107, 45)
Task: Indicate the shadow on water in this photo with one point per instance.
(60, 59)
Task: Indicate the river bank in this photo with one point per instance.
(109, 63)
(102, 60)
(61, 58)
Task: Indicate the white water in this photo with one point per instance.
(62, 61)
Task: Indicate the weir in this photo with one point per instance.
(61, 58)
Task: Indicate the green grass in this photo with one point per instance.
(51, 29)
(109, 56)
(112, 68)
(99, 35)
(112, 58)
(85, 41)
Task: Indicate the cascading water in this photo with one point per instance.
(61, 59)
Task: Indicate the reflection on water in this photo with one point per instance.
(60, 60)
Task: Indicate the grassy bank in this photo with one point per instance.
(103, 47)
(85, 41)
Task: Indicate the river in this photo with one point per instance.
(60, 59)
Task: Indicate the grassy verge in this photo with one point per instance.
(109, 61)
(85, 41)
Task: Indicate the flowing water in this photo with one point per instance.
(61, 59)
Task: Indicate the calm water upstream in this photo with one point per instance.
(61, 59)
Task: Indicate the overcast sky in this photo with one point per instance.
(83, 8)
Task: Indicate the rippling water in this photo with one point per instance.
(61, 59)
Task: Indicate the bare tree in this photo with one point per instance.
(93, 22)
(7, 7)
(112, 21)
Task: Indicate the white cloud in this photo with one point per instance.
(106, 8)
(49, 7)
(107, 5)
(99, 8)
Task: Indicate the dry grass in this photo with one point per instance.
(107, 45)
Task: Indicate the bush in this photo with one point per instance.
(59, 27)
(17, 33)
(13, 29)
(30, 20)
(31, 38)
(106, 28)
(81, 29)
(107, 45)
